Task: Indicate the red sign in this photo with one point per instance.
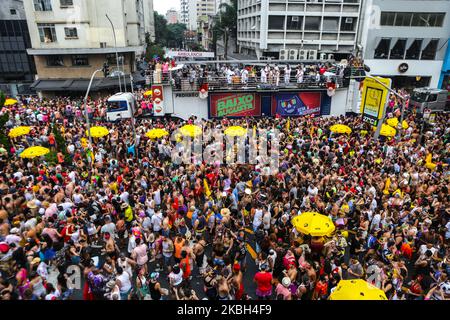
(235, 105)
(158, 100)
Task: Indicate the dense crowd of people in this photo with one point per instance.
(193, 76)
(139, 227)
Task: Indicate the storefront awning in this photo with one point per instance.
(82, 84)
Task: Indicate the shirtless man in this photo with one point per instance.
(199, 252)
(237, 282)
(110, 246)
(223, 289)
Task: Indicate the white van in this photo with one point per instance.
(121, 106)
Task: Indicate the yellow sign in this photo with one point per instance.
(374, 98)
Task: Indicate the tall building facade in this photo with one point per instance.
(172, 16)
(188, 14)
(73, 38)
(194, 12)
(406, 40)
(309, 29)
(17, 69)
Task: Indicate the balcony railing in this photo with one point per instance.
(220, 83)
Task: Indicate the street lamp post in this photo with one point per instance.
(117, 54)
(86, 107)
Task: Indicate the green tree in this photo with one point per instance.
(152, 49)
(226, 25)
(161, 30)
(175, 35)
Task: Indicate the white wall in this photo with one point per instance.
(416, 68)
(184, 107)
(338, 102)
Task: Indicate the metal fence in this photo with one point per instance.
(214, 82)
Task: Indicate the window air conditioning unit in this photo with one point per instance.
(349, 20)
(323, 56)
(102, 45)
(302, 54)
(312, 54)
(293, 53)
(284, 54)
(295, 19)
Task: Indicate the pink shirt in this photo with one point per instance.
(285, 292)
(141, 254)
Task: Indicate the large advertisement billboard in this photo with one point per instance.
(235, 105)
(296, 104)
(374, 97)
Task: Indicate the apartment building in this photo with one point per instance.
(17, 69)
(300, 29)
(406, 40)
(73, 38)
(172, 16)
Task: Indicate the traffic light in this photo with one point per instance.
(105, 69)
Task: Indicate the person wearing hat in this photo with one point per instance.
(155, 289)
(237, 282)
(263, 280)
(282, 289)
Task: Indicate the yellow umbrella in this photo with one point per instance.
(98, 132)
(191, 130)
(405, 124)
(148, 93)
(19, 131)
(393, 122)
(157, 133)
(236, 131)
(340, 128)
(10, 102)
(313, 223)
(357, 290)
(386, 130)
(34, 152)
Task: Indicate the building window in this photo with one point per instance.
(398, 51)
(47, 32)
(382, 50)
(436, 19)
(429, 53)
(413, 53)
(294, 23)
(387, 18)
(330, 24)
(348, 24)
(13, 12)
(55, 61)
(42, 5)
(276, 22)
(413, 19)
(71, 33)
(80, 61)
(66, 3)
(312, 23)
(403, 19)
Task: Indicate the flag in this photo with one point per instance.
(429, 158)
(387, 184)
(288, 125)
(206, 187)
